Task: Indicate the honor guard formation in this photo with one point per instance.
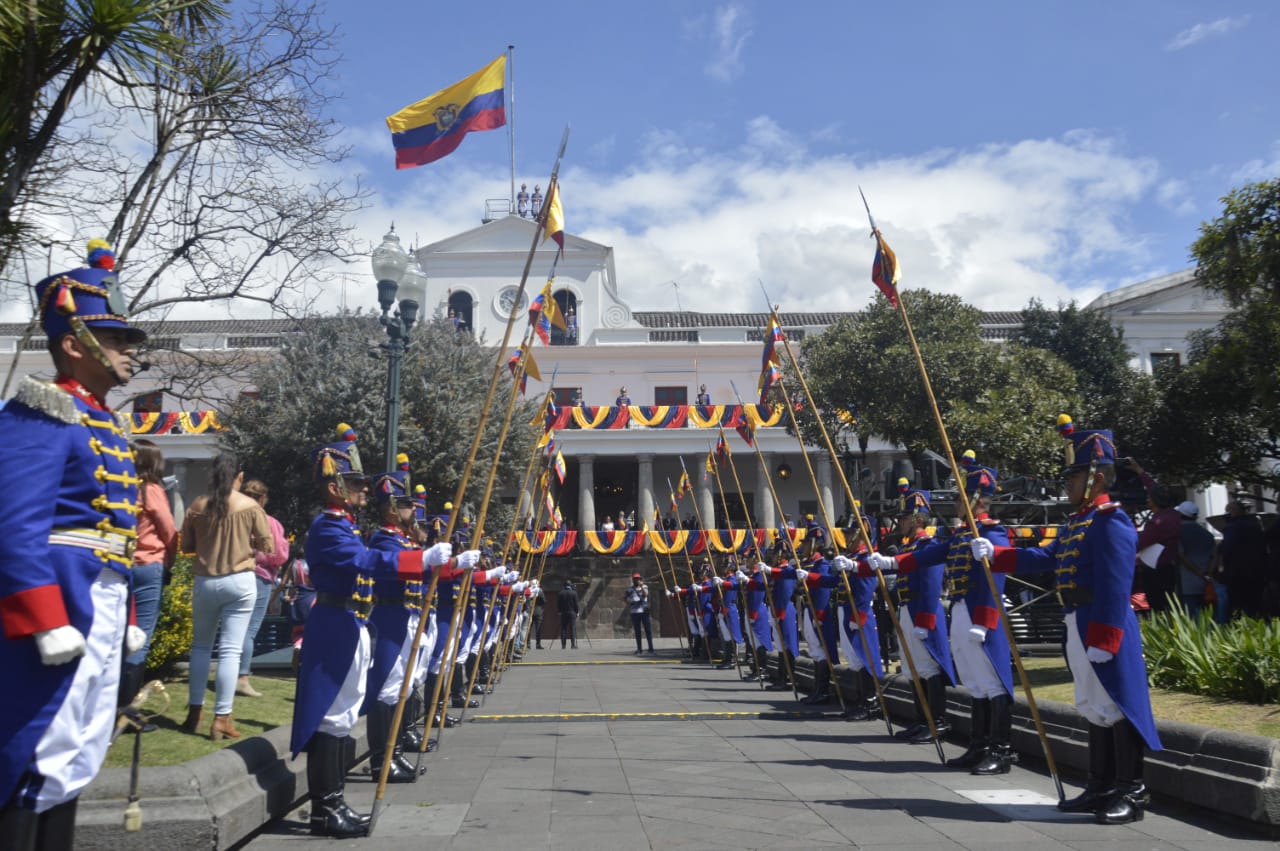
(403, 626)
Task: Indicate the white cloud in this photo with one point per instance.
(730, 29)
(1259, 169)
(1200, 32)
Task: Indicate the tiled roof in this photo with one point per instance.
(689, 319)
(239, 327)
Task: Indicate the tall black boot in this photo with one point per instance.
(486, 671)
(347, 745)
(1102, 777)
(936, 693)
(19, 827)
(379, 728)
(1000, 754)
(56, 827)
(866, 706)
(979, 735)
(457, 699)
(919, 724)
(821, 684)
(410, 731)
(695, 646)
(131, 677)
(326, 771)
(1130, 800)
(730, 654)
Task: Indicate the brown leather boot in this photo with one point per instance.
(222, 727)
(195, 715)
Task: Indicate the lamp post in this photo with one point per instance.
(395, 271)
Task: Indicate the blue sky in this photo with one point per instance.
(1008, 149)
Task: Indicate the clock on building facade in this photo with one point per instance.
(505, 301)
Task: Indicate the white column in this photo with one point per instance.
(822, 461)
(645, 495)
(587, 493)
(764, 499)
(706, 499)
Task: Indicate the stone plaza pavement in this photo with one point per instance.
(695, 758)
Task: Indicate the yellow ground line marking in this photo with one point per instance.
(613, 716)
(601, 662)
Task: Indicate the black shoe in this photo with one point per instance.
(1101, 785)
(858, 712)
(997, 760)
(924, 737)
(1128, 804)
(638, 652)
(355, 817)
(329, 819)
(783, 686)
(450, 721)
(460, 702)
(973, 755)
(912, 731)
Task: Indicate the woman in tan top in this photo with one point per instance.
(152, 559)
(222, 530)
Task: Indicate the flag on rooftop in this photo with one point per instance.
(433, 127)
(885, 272)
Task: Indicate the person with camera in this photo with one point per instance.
(637, 600)
(1159, 580)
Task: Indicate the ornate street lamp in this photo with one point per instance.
(396, 273)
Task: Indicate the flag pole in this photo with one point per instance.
(724, 504)
(973, 530)
(397, 718)
(693, 577)
(511, 119)
(657, 560)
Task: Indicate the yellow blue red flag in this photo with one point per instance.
(433, 127)
(885, 272)
(554, 228)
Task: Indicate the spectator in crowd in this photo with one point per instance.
(152, 559)
(266, 569)
(1195, 559)
(223, 529)
(637, 600)
(1244, 559)
(621, 523)
(607, 524)
(567, 601)
(1164, 527)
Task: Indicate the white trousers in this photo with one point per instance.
(973, 666)
(926, 666)
(72, 749)
(395, 677)
(817, 650)
(854, 662)
(1092, 700)
(424, 651)
(695, 626)
(342, 713)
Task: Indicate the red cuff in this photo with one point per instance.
(986, 616)
(864, 570)
(906, 563)
(925, 620)
(1104, 637)
(33, 610)
(862, 617)
(449, 571)
(409, 565)
(504, 590)
(754, 615)
(780, 614)
(133, 611)
(822, 616)
(1005, 560)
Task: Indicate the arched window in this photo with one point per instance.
(461, 307)
(568, 304)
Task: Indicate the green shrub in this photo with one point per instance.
(1239, 660)
(171, 641)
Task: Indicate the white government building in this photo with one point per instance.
(660, 357)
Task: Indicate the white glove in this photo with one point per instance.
(978, 633)
(719, 581)
(134, 638)
(881, 562)
(742, 577)
(519, 587)
(670, 593)
(761, 566)
(437, 555)
(494, 574)
(842, 564)
(982, 549)
(1096, 655)
(854, 624)
(802, 575)
(59, 645)
(511, 576)
(920, 632)
(468, 560)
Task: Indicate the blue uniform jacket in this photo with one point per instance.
(728, 604)
(966, 584)
(390, 622)
(758, 612)
(65, 464)
(780, 591)
(1094, 554)
(864, 590)
(921, 590)
(340, 564)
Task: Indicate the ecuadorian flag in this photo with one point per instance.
(433, 127)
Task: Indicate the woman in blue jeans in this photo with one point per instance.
(157, 544)
(223, 529)
(266, 568)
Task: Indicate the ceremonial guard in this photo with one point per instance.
(397, 608)
(782, 588)
(922, 616)
(522, 201)
(760, 625)
(1093, 559)
(856, 616)
(815, 620)
(623, 399)
(71, 508)
(728, 621)
(703, 397)
(333, 669)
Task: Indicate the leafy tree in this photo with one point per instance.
(1111, 393)
(50, 51)
(998, 400)
(324, 375)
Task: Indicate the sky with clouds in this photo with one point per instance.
(1008, 150)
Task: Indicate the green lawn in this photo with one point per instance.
(171, 745)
